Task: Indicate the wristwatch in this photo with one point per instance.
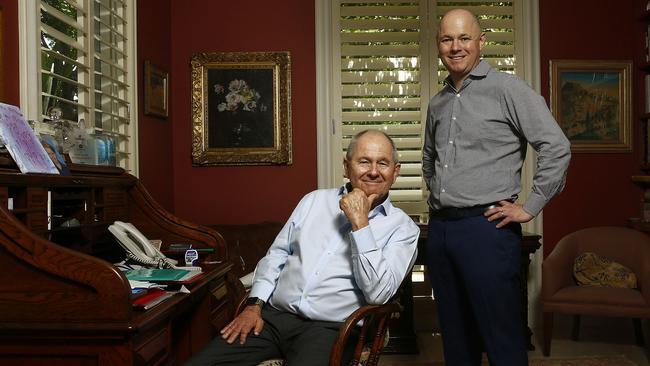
(255, 301)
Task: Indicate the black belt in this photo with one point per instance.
(460, 212)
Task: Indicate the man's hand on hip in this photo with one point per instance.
(507, 212)
(355, 206)
(241, 326)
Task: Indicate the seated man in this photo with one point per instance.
(340, 249)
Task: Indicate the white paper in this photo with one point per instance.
(22, 143)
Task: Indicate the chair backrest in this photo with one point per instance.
(620, 244)
(372, 334)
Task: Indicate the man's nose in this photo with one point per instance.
(455, 45)
(373, 171)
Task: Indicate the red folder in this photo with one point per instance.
(151, 299)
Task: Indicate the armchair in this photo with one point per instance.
(372, 334)
(560, 294)
(248, 243)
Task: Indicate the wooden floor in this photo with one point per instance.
(598, 337)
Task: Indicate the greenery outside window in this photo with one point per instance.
(78, 56)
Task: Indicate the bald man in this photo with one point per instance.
(477, 131)
(341, 249)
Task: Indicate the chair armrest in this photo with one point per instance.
(557, 268)
(242, 302)
(643, 278)
(375, 324)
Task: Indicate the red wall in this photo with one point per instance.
(10, 88)
(156, 147)
(599, 190)
(235, 195)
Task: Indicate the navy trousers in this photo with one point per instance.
(474, 270)
(297, 340)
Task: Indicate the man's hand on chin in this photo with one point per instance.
(355, 206)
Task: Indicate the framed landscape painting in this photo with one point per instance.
(591, 101)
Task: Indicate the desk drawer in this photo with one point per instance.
(219, 312)
(152, 348)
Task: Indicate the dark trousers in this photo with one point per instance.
(297, 340)
(474, 269)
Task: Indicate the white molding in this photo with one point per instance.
(324, 123)
(132, 67)
(533, 76)
(29, 58)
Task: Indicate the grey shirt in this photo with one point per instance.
(475, 143)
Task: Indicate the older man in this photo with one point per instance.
(477, 132)
(340, 249)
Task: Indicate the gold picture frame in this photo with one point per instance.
(592, 102)
(156, 91)
(241, 108)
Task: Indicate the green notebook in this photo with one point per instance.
(147, 274)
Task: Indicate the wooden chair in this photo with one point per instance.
(372, 334)
(560, 294)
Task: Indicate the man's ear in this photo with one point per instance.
(482, 38)
(346, 166)
(397, 170)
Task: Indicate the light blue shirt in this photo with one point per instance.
(321, 270)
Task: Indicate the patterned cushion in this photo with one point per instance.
(362, 362)
(594, 270)
(277, 362)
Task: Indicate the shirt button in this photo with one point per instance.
(453, 117)
(446, 165)
(443, 190)
(457, 95)
(451, 141)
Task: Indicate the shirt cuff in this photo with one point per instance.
(363, 241)
(534, 204)
(261, 290)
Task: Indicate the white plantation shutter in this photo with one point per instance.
(384, 60)
(83, 66)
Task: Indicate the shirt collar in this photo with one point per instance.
(384, 207)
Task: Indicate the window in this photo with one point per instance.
(384, 71)
(78, 56)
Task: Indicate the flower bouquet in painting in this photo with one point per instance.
(242, 116)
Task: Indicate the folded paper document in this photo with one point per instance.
(161, 275)
(156, 274)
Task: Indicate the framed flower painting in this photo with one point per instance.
(241, 108)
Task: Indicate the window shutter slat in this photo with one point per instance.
(382, 46)
(84, 68)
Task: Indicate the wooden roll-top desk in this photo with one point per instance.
(63, 302)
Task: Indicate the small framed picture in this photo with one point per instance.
(591, 101)
(156, 88)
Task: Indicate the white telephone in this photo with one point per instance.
(138, 247)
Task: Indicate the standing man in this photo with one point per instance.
(340, 249)
(477, 132)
